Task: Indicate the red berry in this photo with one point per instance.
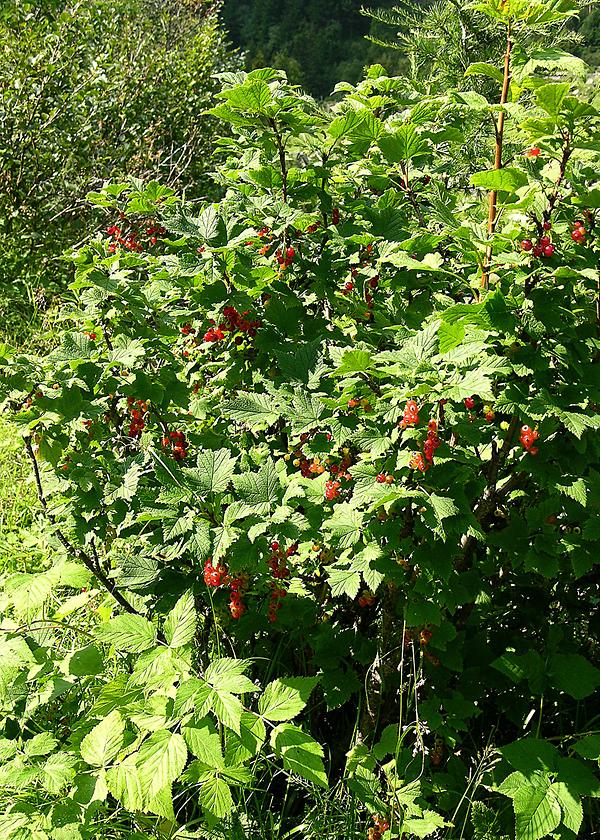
(548, 250)
(547, 225)
(380, 478)
(537, 250)
(470, 403)
(349, 286)
(544, 240)
(290, 254)
(526, 245)
(335, 216)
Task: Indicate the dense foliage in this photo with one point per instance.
(323, 459)
(90, 91)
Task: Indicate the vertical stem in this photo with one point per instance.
(493, 200)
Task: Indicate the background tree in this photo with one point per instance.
(90, 91)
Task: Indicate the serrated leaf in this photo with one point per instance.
(572, 812)
(204, 741)
(508, 179)
(301, 754)
(229, 675)
(260, 490)
(284, 698)
(103, 743)
(257, 411)
(343, 581)
(41, 744)
(215, 797)
(213, 471)
(180, 625)
(345, 525)
(124, 783)
(573, 674)
(160, 760)
(133, 633)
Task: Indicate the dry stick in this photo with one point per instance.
(493, 200)
(74, 551)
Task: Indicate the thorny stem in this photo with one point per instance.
(493, 199)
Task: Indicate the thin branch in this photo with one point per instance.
(79, 553)
(499, 130)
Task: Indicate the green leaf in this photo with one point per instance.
(180, 625)
(160, 760)
(204, 741)
(425, 825)
(572, 812)
(508, 179)
(301, 754)
(401, 146)
(213, 472)
(240, 747)
(105, 740)
(353, 361)
(228, 708)
(480, 68)
(261, 490)
(254, 410)
(573, 674)
(215, 797)
(124, 783)
(284, 698)
(345, 525)
(229, 675)
(58, 772)
(133, 633)
(551, 96)
(531, 754)
(41, 744)
(450, 336)
(343, 581)
(536, 808)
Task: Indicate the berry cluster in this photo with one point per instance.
(470, 403)
(238, 585)
(136, 415)
(432, 442)
(528, 439)
(367, 598)
(578, 233)
(91, 335)
(129, 239)
(384, 478)
(543, 247)
(366, 405)
(411, 415)
(378, 830)
(214, 576)
(235, 322)
(280, 571)
(176, 442)
(335, 216)
(332, 490)
(285, 260)
(417, 462)
(187, 329)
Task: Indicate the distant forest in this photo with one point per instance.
(320, 42)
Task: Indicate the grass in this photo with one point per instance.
(20, 524)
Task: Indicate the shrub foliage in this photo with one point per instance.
(323, 461)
